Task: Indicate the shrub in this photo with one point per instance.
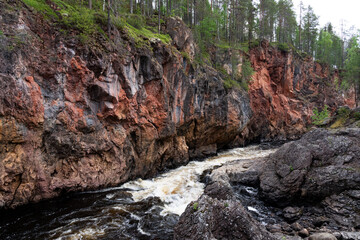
(357, 115)
(195, 206)
(319, 117)
(254, 43)
(284, 47)
(344, 112)
(246, 73)
(136, 21)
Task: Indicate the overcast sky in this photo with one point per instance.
(334, 11)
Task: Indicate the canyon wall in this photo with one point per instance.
(74, 117)
(285, 88)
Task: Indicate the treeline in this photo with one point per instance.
(238, 21)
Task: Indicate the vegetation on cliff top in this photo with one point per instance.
(227, 23)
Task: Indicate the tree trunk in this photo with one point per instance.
(159, 12)
(356, 87)
(109, 20)
(90, 4)
(131, 7)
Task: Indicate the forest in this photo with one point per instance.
(235, 24)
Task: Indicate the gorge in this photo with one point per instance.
(78, 116)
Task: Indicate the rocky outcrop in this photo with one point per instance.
(285, 89)
(307, 188)
(322, 163)
(74, 117)
(217, 214)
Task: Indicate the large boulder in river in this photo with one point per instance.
(320, 164)
(219, 215)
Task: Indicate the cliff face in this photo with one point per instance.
(72, 118)
(75, 118)
(284, 91)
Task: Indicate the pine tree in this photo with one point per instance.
(352, 66)
(310, 23)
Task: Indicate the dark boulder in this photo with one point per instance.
(320, 164)
(219, 216)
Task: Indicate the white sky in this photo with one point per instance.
(334, 11)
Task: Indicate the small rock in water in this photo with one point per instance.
(322, 236)
(304, 233)
(296, 226)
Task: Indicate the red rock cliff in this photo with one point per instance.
(75, 118)
(284, 91)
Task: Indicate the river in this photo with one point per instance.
(140, 209)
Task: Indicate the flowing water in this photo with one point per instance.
(140, 209)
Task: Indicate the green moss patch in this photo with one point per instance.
(42, 7)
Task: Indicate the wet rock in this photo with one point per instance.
(303, 233)
(347, 235)
(296, 226)
(281, 236)
(285, 227)
(313, 167)
(321, 220)
(274, 228)
(211, 218)
(292, 213)
(322, 236)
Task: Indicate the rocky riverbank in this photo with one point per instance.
(309, 188)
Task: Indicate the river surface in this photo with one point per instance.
(140, 209)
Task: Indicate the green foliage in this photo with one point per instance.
(357, 116)
(284, 47)
(136, 21)
(352, 66)
(342, 117)
(70, 16)
(254, 43)
(324, 47)
(246, 73)
(143, 35)
(80, 18)
(42, 7)
(1, 33)
(344, 112)
(207, 29)
(319, 117)
(291, 168)
(195, 206)
(185, 55)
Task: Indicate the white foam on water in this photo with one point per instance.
(178, 187)
(253, 210)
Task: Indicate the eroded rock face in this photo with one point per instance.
(75, 118)
(284, 90)
(72, 118)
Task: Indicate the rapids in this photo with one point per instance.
(140, 209)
